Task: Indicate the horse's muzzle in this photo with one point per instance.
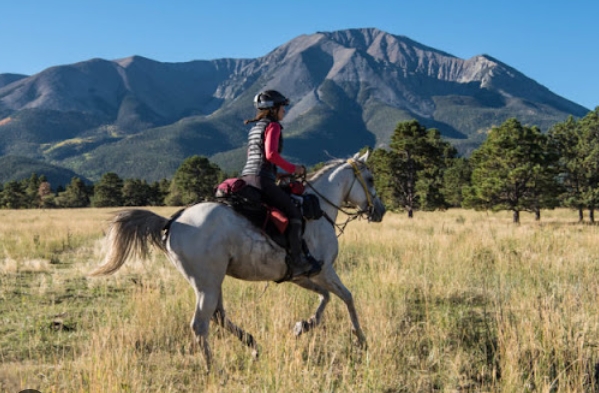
(377, 212)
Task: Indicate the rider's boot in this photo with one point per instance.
(300, 264)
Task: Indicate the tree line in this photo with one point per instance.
(192, 182)
(517, 168)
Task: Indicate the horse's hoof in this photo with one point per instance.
(362, 344)
(255, 354)
(300, 328)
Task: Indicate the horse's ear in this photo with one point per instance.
(356, 156)
(364, 158)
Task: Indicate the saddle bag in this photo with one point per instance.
(279, 219)
(229, 187)
(296, 187)
(248, 195)
(311, 207)
(238, 193)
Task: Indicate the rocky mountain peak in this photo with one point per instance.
(349, 89)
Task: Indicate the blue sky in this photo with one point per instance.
(553, 42)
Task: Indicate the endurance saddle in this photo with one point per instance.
(247, 201)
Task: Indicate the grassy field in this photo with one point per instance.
(449, 301)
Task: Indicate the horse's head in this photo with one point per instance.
(362, 192)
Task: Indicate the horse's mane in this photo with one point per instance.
(326, 168)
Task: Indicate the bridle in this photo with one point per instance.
(351, 216)
(358, 175)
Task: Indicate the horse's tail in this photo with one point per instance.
(131, 231)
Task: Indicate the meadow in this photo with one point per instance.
(456, 301)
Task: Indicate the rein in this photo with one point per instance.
(351, 216)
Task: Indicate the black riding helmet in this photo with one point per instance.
(270, 99)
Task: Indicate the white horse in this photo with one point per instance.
(209, 241)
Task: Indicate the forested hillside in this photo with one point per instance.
(517, 168)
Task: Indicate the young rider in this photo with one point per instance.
(265, 143)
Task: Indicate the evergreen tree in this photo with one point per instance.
(577, 145)
(31, 187)
(75, 195)
(456, 178)
(159, 190)
(566, 138)
(511, 170)
(589, 127)
(108, 191)
(410, 174)
(544, 186)
(136, 192)
(380, 164)
(438, 156)
(406, 146)
(14, 195)
(193, 181)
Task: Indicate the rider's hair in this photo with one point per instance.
(270, 113)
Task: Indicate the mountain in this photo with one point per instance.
(18, 168)
(141, 118)
(6, 79)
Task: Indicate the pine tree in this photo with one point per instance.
(410, 174)
(193, 182)
(379, 163)
(136, 192)
(159, 190)
(512, 170)
(577, 145)
(31, 187)
(438, 156)
(455, 179)
(566, 138)
(589, 127)
(108, 191)
(75, 195)
(14, 195)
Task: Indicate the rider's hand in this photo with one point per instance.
(300, 170)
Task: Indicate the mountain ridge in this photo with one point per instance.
(19, 168)
(348, 88)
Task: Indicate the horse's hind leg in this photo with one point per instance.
(221, 319)
(305, 326)
(206, 303)
(331, 281)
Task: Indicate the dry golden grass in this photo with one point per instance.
(449, 301)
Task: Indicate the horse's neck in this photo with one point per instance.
(333, 186)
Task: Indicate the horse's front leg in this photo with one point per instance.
(329, 280)
(305, 326)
